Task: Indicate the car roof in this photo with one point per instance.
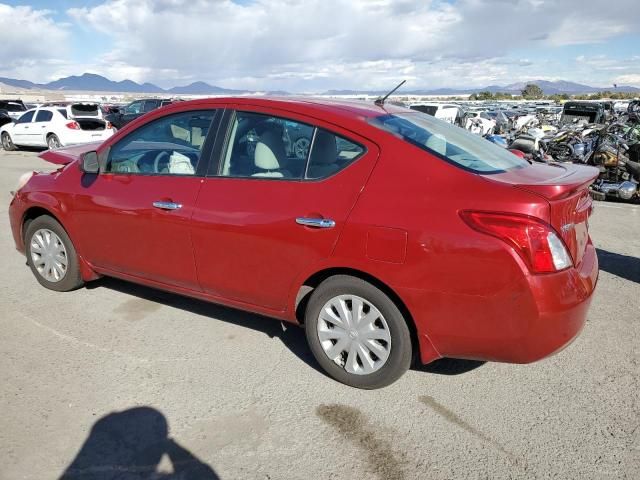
(332, 106)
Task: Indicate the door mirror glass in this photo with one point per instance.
(89, 163)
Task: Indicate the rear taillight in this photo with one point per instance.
(534, 240)
(73, 125)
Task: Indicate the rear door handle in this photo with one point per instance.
(167, 205)
(316, 222)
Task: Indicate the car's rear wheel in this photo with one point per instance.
(357, 333)
(7, 143)
(51, 255)
(53, 142)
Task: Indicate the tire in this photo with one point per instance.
(7, 143)
(53, 141)
(38, 232)
(386, 320)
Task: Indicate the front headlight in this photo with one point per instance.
(22, 181)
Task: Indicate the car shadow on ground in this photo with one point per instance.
(623, 266)
(135, 444)
(292, 336)
(449, 366)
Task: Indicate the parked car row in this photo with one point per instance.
(55, 124)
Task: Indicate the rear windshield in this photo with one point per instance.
(84, 110)
(453, 144)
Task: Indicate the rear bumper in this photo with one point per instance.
(537, 317)
(77, 137)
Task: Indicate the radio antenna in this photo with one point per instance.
(380, 100)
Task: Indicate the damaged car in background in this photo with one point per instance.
(57, 125)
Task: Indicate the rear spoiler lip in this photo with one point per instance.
(579, 178)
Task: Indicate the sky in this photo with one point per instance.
(316, 45)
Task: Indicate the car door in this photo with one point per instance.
(21, 128)
(271, 210)
(134, 216)
(38, 130)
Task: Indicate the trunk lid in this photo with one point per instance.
(566, 188)
(66, 155)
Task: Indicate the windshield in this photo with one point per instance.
(453, 144)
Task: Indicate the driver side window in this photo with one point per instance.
(170, 145)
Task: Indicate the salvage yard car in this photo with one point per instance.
(53, 127)
(396, 236)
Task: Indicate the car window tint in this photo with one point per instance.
(170, 145)
(27, 117)
(44, 116)
(263, 146)
(330, 153)
(150, 105)
(455, 145)
(133, 108)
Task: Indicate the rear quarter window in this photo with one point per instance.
(449, 142)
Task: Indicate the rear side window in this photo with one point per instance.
(63, 112)
(453, 144)
(263, 146)
(170, 145)
(150, 105)
(44, 116)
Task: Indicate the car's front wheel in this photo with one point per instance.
(51, 255)
(7, 143)
(357, 333)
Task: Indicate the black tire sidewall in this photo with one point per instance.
(11, 146)
(401, 353)
(52, 137)
(73, 278)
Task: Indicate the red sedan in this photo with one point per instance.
(387, 233)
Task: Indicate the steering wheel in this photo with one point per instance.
(156, 161)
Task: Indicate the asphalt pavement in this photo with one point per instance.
(122, 381)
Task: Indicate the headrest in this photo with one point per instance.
(325, 150)
(269, 149)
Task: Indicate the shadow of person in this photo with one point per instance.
(132, 445)
(622, 266)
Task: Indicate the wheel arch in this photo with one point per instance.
(37, 211)
(34, 212)
(309, 285)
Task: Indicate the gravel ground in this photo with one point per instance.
(116, 374)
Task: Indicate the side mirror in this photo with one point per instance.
(89, 162)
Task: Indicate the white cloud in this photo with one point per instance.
(316, 44)
(30, 38)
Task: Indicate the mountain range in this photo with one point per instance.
(98, 83)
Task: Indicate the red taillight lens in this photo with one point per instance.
(73, 125)
(534, 240)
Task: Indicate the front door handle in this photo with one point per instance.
(167, 205)
(316, 222)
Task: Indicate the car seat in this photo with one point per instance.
(322, 162)
(268, 154)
